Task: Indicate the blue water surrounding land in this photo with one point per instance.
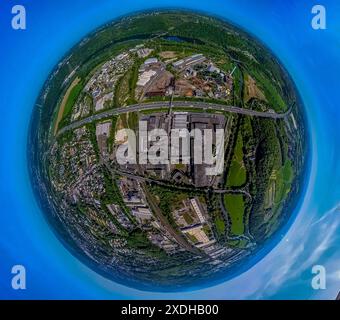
(176, 39)
(311, 57)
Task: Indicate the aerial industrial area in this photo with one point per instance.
(169, 220)
(84, 181)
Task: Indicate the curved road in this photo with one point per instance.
(165, 184)
(176, 104)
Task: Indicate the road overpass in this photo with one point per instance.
(205, 106)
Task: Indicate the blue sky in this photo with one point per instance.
(311, 57)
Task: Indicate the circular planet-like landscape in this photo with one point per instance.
(167, 148)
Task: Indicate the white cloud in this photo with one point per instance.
(309, 247)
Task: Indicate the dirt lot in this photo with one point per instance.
(168, 54)
(251, 90)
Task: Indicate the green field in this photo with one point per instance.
(283, 181)
(270, 91)
(72, 99)
(237, 175)
(66, 105)
(235, 207)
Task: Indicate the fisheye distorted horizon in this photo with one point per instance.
(174, 78)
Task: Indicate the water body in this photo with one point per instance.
(183, 39)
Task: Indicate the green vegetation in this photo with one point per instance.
(188, 219)
(237, 174)
(263, 158)
(129, 120)
(268, 162)
(113, 195)
(91, 127)
(112, 137)
(137, 239)
(283, 181)
(192, 238)
(70, 98)
(220, 225)
(180, 166)
(241, 244)
(267, 87)
(169, 200)
(121, 91)
(157, 110)
(207, 230)
(277, 193)
(235, 207)
(75, 92)
(126, 87)
(238, 87)
(133, 120)
(133, 78)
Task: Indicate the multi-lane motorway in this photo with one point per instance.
(176, 104)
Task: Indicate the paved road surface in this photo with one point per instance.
(166, 104)
(157, 212)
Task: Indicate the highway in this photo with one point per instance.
(176, 104)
